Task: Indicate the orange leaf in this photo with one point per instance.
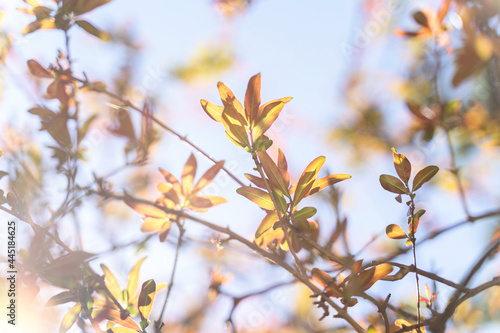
(269, 114)
(283, 167)
(37, 70)
(228, 99)
(169, 193)
(188, 174)
(257, 196)
(213, 111)
(320, 184)
(394, 231)
(326, 281)
(234, 126)
(252, 97)
(171, 180)
(208, 177)
(151, 224)
(115, 317)
(379, 272)
(265, 105)
(276, 179)
(146, 209)
(306, 179)
(402, 166)
(257, 181)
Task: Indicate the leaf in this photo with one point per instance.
(82, 131)
(267, 118)
(115, 317)
(91, 29)
(392, 184)
(229, 100)
(372, 329)
(280, 200)
(152, 224)
(421, 19)
(304, 213)
(121, 330)
(266, 223)
(188, 174)
(283, 167)
(70, 318)
(306, 179)
(402, 166)
(85, 6)
(320, 184)
(252, 97)
(146, 298)
(276, 179)
(37, 70)
(112, 283)
(208, 177)
(394, 231)
(323, 279)
(380, 271)
(212, 110)
(257, 196)
(234, 126)
(257, 181)
(145, 209)
(171, 180)
(133, 278)
(265, 105)
(62, 298)
(39, 24)
(168, 192)
(206, 201)
(68, 262)
(424, 176)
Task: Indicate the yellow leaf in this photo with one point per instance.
(228, 99)
(267, 118)
(112, 283)
(402, 166)
(324, 280)
(265, 105)
(39, 24)
(306, 179)
(146, 209)
(208, 177)
(206, 201)
(70, 318)
(320, 184)
(133, 278)
(171, 180)
(257, 196)
(188, 174)
(146, 298)
(121, 330)
(269, 220)
(151, 224)
(394, 231)
(91, 29)
(214, 111)
(234, 126)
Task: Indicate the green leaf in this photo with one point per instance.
(88, 27)
(146, 298)
(133, 278)
(307, 179)
(424, 176)
(70, 318)
(392, 184)
(282, 205)
(394, 231)
(304, 213)
(62, 298)
(257, 196)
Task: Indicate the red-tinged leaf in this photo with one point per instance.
(206, 201)
(283, 167)
(320, 184)
(392, 184)
(85, 6)
(267, 118)
(257, 181)
(39, 24)
(276, 179)
(121, 330)
(265, 106)
(208, 177)
(424, 176)
(306, 179)
(304, 213)
(188, 174)
(228, 99)
(324, 280)
(171, 180)
(257, 196)
(146, 209)
(91, 29)
(234, 126)
(402, 166)
(115, 317)
(394, 231)
(268, 221)
(133, 278)
(37, 70)
(146, 298)
(62, 298)
(70, 318)
(112, 283)
(252, 97)
(169, 192)
(214, 111)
